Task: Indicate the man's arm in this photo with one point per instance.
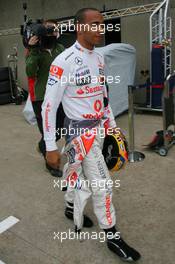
(108, 110)
(53, 96)
(111, 123)
(32, 59)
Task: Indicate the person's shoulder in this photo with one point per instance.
(66, 56)
(34, 50)
(100, 55)
(60, 47)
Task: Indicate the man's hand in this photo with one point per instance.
(33, 40)
(53, 159)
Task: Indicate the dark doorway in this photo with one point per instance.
(113, 36)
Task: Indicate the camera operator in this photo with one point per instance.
(42, 50)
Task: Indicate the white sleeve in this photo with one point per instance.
(108, 111)
(56, 84)
(108, 114)
(112, 122)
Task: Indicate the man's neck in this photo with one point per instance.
(85, 44)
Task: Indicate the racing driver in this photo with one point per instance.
(71, 81)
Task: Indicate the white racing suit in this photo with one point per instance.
(77, 80)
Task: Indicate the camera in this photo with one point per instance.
(35, 29)
(30, 28)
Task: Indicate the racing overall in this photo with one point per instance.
(76, 80)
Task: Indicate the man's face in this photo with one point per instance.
(91, 30)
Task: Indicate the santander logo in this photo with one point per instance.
(80, 91)
(89, 90)
(47, 117)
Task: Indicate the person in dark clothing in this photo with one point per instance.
(38, 61)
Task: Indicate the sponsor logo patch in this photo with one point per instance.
(51, 81)
(83, 80)
(71, 155)
(82, 73)
(47, 117)
(56, 71)
(98, 105)
(93, 116)
(69, 55)
(108, 213)
(89, 90)
(78, 61)
(83, 77)
(101, 71)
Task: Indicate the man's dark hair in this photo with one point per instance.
(80, 15)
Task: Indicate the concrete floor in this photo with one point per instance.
(145, 201)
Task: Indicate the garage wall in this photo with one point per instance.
(135, 30)
(12, 14)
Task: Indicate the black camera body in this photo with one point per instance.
(37, 28)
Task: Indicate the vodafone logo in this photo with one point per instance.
(93, 116)
(97, 105)
(56, 71)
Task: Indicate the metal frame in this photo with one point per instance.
(160, 32)
(168, 105)
(170, 119)
(133, 154)
(13, 70)
(130, 11)
(117, 13)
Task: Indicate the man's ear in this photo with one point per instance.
(78, 27)
(81, 28)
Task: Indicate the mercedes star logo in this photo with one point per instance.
(78, 61)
